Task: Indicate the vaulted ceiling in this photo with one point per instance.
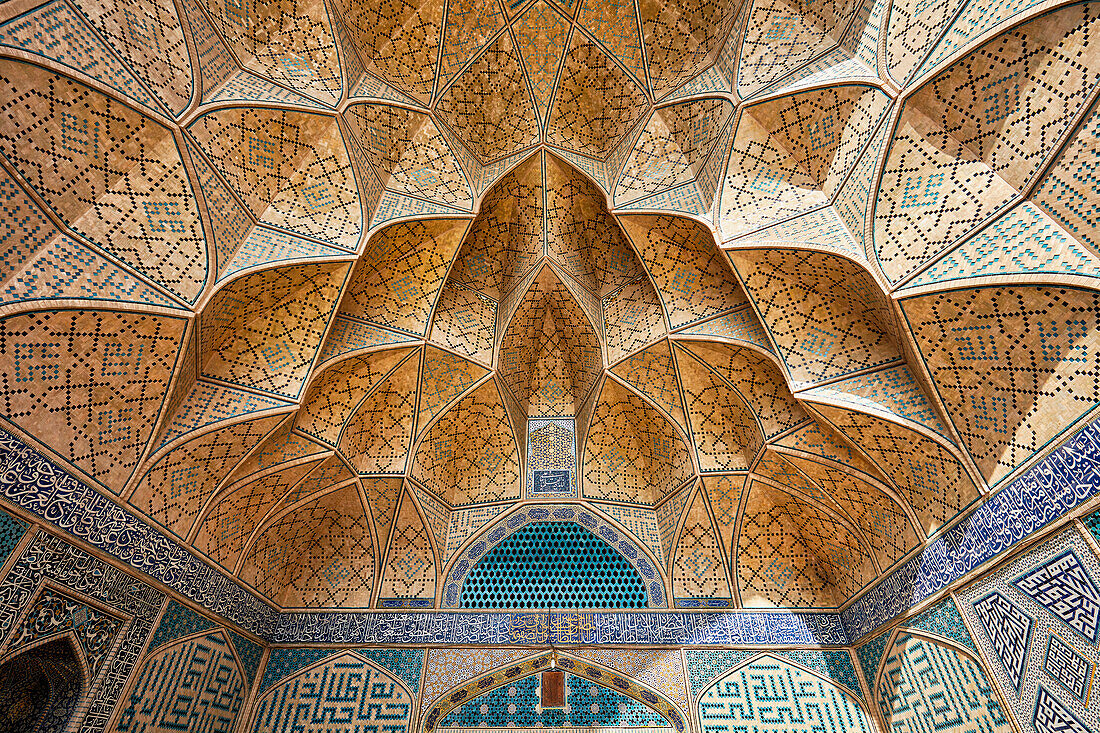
(318, 287)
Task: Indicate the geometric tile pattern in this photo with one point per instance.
(607, 537)
(177, 622)
(400, 274)
(632, 453)
(271, 350)
(470, 456)
(344, 689)
(757, 379)
(673, 147)
(1068, 667)
(1052, 716)
(944, 620)
(1022, 240)
(489, 107)
(1065, 192)
(1009, 630)
(410, 571)
(727, 433)
(61, 366)
(589, 75)
(11, 532)
(841, 323)
(975, 154)
(698, 567)
(291, 169)
(319, 555)
(770, 694)
(918, 674)
(694, 280)
(126, 187)
(878, 515)
(519, 670)
(661, 670)
(1065, 588)
(1057, 664)
(927, 475)
(1007, 404)
(791, 552)
(198, 680)
(173, 490)
(551, 458)
(553, 565)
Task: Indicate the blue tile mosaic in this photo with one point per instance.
(249, 653)
(194, 683)
(406, 664)
(560, 627)
(344, 693)
(706, 665)
(835, 664)
(177, 622)
(1063, 587)
(285, 662)
(870, 656)
(945, 620)
(11, 531)
(771, 695)
(1009, 630)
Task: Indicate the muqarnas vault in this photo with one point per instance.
(734, 364)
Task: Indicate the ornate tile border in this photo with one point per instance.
(1067, 477)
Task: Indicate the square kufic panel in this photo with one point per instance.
(1033, 620)
(551, 458)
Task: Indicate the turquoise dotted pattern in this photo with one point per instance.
(553, 565)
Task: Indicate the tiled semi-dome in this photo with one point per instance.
(338, 296)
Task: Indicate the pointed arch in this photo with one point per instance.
(796, 698)
(583, 668)
(369, 695)
(42, 685)
(919, 674)
(198, 679)
(492, 534)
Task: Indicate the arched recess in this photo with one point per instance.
(979, 133)
(827, 314)
(41, 686)
(553, 565)
(132, 198)
(767, 694)
(640, 559)
(588, 705)
(318, 554)
(550, 370)
(790, 551)
(922, 680)
(632, 453)
(471, 689)
(198, 679)
(368, 697)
